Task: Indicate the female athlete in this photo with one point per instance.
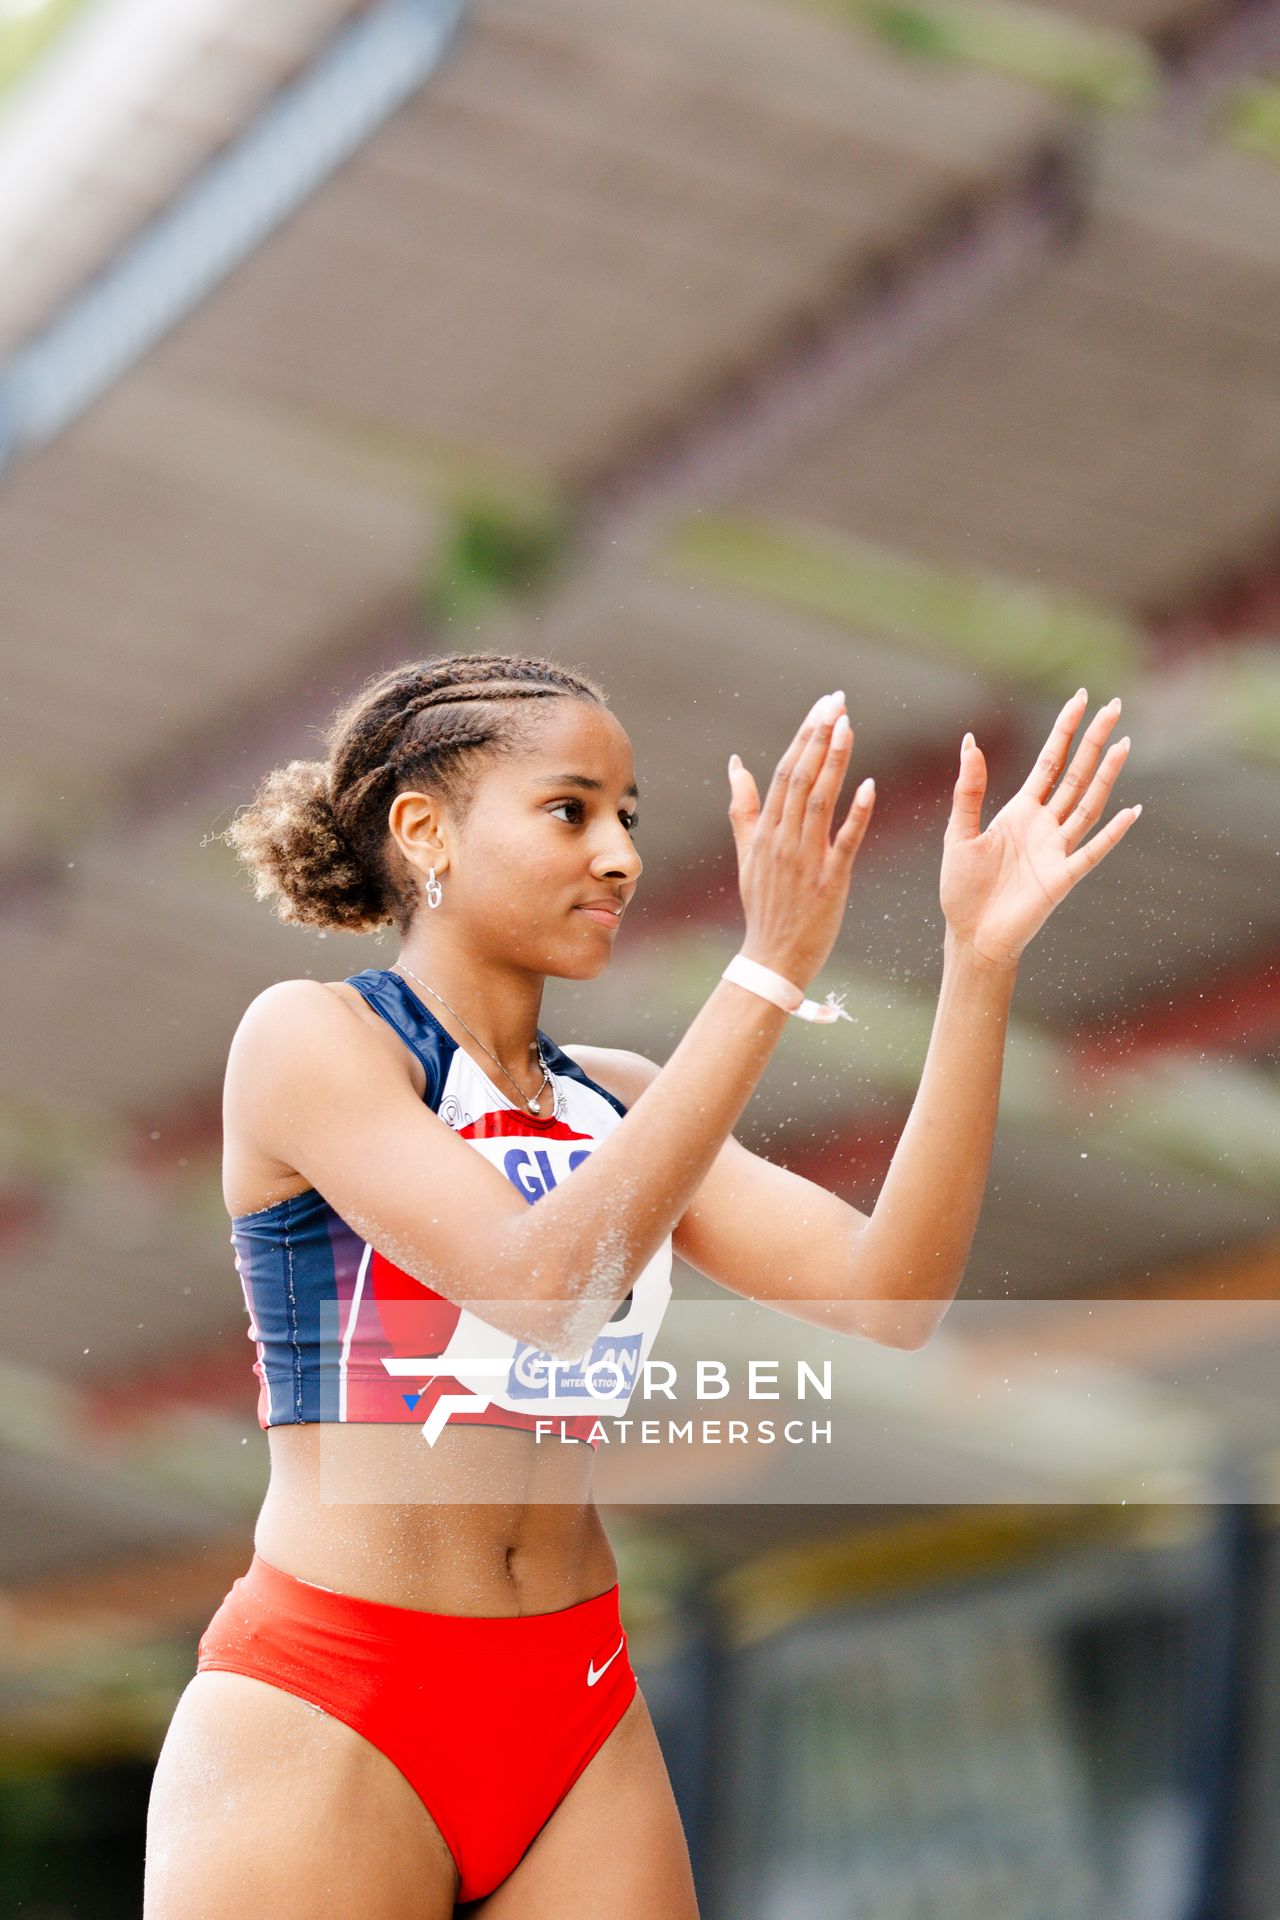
(418, 1699)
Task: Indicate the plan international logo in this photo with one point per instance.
(608, 1373)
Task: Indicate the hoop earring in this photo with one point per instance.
(435, 892)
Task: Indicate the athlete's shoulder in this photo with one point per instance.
(318, 1040)
(294, 1004)
(619, 1071)
(309, 1022)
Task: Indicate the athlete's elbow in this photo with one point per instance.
(907, 1325)
(919, 1322)
(578, 1318)
(576, 1294)
(567, 1321)
(911, 1338)
(570, 1329)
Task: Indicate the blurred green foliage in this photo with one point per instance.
(1051, 641)
(1103, 67)
(503, 545)
(24, 36)
(1250, 701)
(1252, 118)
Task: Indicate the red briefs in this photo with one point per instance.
(490, 1718)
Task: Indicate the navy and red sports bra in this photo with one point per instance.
(342, 1333)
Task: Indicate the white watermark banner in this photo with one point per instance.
(1013, 1401)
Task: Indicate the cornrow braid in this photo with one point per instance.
(315, 834)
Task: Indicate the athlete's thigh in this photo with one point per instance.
(263, 1804)
(614, 1849)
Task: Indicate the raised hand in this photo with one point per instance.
(998, 887)
(793, 877)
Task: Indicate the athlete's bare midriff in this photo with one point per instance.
(373, 1511)
(489, 1520)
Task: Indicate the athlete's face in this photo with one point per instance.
(549, 833)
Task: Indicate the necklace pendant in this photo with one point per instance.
(534, 1047)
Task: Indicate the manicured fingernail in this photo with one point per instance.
(1137, 810)
(966, 742)
(867, 788)
(1116, 703)
(1081, 693)
(841, 730)
(734, 763)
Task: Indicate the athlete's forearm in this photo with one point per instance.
(915, 1245)
(584, 1243)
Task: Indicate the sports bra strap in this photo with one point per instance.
(424, 1036)
(435, 1046)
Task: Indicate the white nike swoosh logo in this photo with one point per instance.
(594, 1672)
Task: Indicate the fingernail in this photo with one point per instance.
(966, 742)
(1137, 810)
(1116, 703)
(867, 788)
(841, 731)
(734, 763)
(1081, 693)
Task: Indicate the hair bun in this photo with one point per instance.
(290, 839)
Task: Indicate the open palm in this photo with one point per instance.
(999, 886)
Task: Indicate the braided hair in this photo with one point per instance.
(316, 833)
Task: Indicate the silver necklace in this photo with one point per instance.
(535, 1046)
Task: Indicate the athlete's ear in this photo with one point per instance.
(416, 824)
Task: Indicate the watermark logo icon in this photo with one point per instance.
(607, 1373)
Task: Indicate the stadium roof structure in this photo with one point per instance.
(779, 348)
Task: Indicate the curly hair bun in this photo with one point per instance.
(290, 840)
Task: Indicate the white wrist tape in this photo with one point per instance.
(783, 993)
